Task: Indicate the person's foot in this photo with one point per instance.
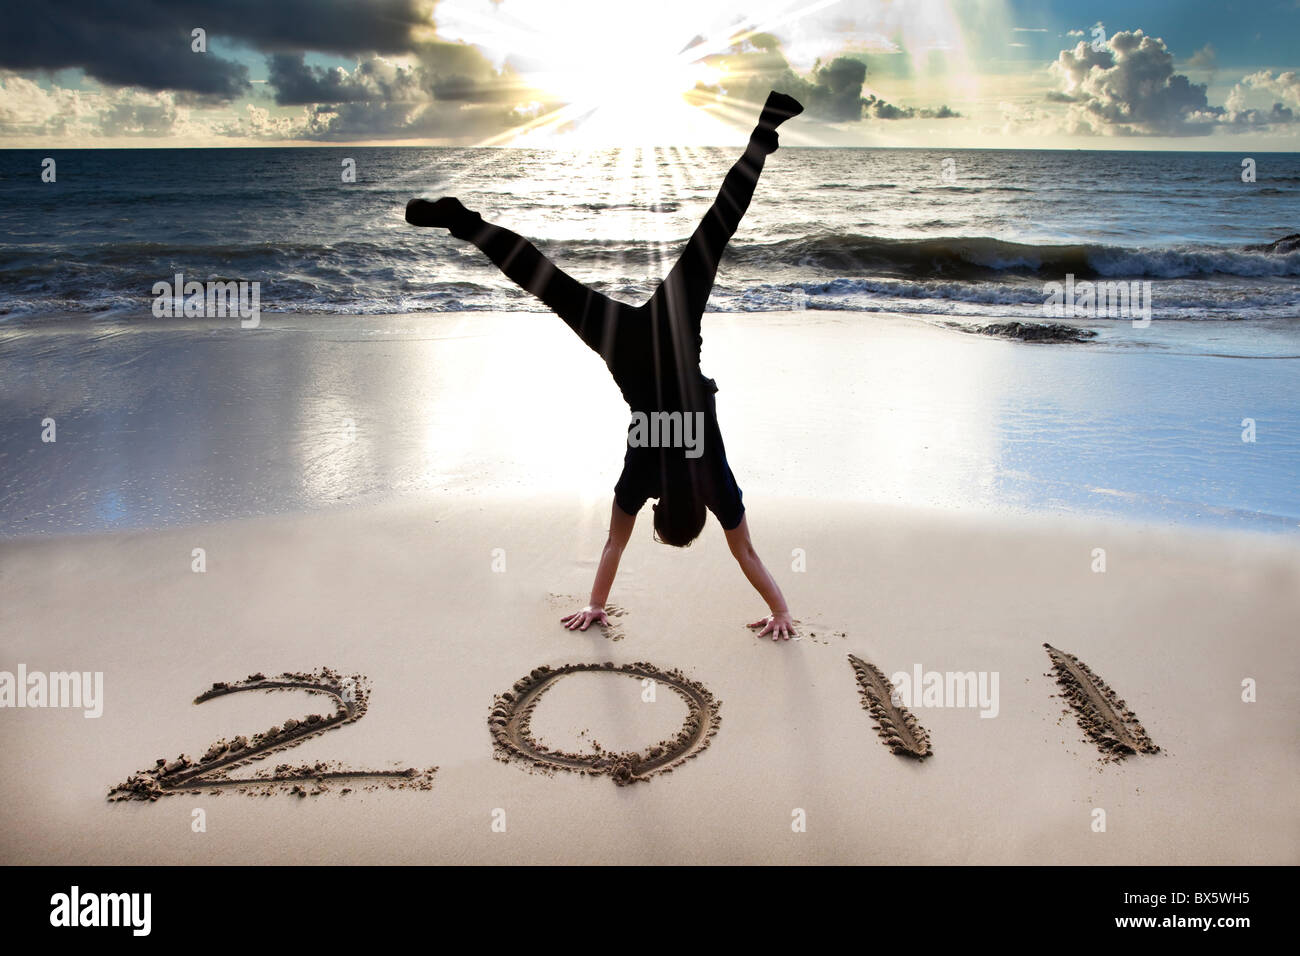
(444, 213)
(778, 109)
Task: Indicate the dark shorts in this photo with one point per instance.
(645, 470)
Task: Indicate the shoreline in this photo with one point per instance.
(164, 424)
(1278, 530)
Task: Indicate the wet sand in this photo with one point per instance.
(170, 423)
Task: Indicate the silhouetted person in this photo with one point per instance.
(653, 353)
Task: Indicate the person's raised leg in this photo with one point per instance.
(685, 290)
(589, 313)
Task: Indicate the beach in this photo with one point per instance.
(417, 500)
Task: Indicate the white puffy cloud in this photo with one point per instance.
(1129, 87)
(1285, 86)
(28, 109)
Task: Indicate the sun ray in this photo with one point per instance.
(611, 91)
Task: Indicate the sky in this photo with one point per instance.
(1111, 74)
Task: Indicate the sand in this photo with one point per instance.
(899, 481)
(1103, 717)
(213, 770)
(405, 594)
(512, 712)
(898, 727)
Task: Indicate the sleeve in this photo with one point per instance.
(630, 491)
(728, 505)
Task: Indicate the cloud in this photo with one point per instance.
(1284, 85)
(1279, 115)
(407, 83)
(375, 80)
(451, 90)
(831, 92)
(1129, 87)
(258, 123)
(350, 122)
(1203, 59)
(453, 72)
(147, 44)
(141, 77)
(29, 109)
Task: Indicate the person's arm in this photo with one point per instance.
(620, 531)
(779, 623)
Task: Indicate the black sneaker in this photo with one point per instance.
(778, 109)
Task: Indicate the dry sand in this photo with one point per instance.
(406, 595)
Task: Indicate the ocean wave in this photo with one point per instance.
(982, 256)
(631, 206)
(949, 188)
(400, 274)
(955, 257)
(856, 187)
(1173, 299)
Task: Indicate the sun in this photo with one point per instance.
(623, 70)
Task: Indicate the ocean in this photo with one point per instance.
(951, 234)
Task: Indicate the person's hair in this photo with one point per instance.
(679, 517)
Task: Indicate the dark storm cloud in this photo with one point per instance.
(836, 93)
(362, 121)
(453, 72)
(450, 90)
(297, 84)
(146, 43)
